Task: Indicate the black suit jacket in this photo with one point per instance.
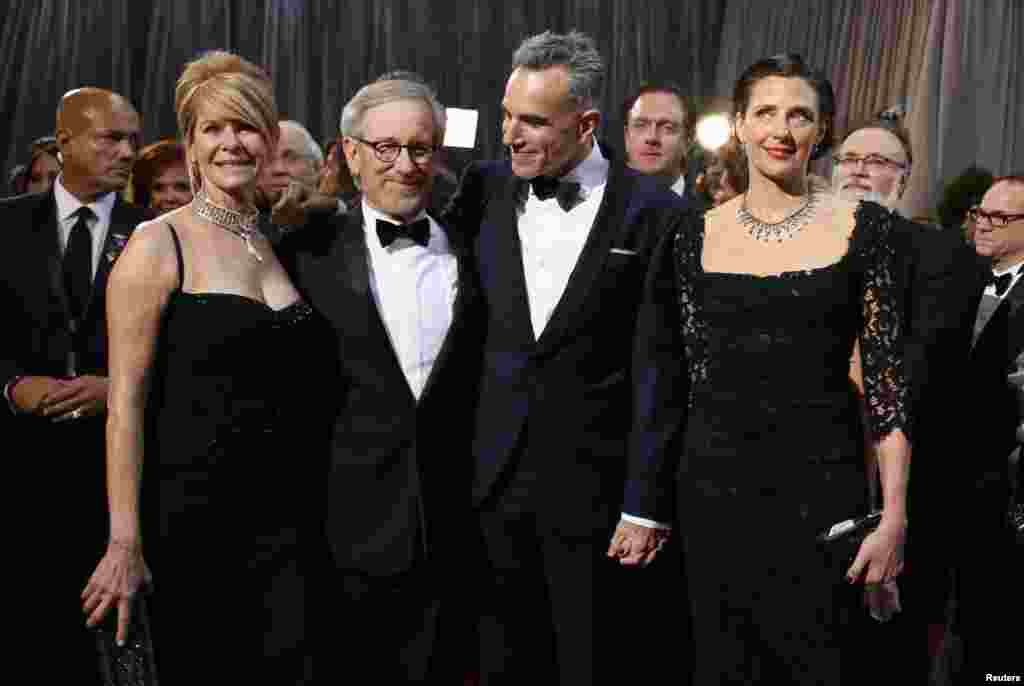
(592, 406)
(398, 485)
(992, 359)
(39, 337)
(942, 297)
(54, 468)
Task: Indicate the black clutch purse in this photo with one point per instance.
(134, 663)
(845, 537)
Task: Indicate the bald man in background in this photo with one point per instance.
(58, 250)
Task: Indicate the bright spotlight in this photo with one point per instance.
(713, 131)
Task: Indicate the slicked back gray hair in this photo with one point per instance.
(575, 51)
(313, 150)
(381, 93)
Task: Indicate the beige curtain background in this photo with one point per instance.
(956, 65)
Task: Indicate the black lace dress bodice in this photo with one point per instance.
(774, 450)
(230, 490)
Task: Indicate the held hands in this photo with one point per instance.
(119, 576)
(880, 554)
(61, 399)
(636, 545)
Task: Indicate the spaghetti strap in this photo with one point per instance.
(181, 261)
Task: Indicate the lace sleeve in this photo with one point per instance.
(881, 337)
(688, 248)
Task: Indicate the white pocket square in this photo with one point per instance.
(622, 251)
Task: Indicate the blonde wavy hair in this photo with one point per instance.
(232, 83)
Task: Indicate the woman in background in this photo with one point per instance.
(160, 177)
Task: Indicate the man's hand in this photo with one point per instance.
(296, 204)
(634, 544)
(83, 396)
(30, 394)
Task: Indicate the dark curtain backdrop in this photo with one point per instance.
(955, 62)
(320, 53)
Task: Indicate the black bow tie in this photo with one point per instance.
(418, 232)
(567, 193)
(1002, 282)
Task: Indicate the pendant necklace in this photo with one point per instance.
(240, 224)
(785, 228)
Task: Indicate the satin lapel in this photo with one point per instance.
(499, 244)
(611, 218)
(342, 280)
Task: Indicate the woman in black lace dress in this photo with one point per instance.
(775, 286)
(206, 331)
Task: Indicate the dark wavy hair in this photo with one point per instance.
(790, 65)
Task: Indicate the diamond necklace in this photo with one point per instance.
(240, 224)
(782, 230)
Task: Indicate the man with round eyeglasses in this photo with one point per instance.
(988, 561)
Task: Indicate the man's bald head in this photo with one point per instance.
(98, 134)
(78, 106)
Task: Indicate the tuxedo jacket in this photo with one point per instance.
(397, 484)
(590, 406)
(993, 401)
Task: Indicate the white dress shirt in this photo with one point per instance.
(679, 187)
(1017, 270)
(99, 224)
(414, 288)
(552, 240)
(990, 301)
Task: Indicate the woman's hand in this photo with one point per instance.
(880, 554)
(119, 576)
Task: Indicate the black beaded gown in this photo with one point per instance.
(233, 492)
(774, 454)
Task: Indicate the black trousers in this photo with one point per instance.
(402, 629)
(554, 609)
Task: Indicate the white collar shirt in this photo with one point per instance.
(679, 186)
(99, 224)
(552, 239)
(414, 288)
(1017, 270)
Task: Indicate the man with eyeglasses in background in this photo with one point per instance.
(988, 567)
(873, 163)
(395, 394)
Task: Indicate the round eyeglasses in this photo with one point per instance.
(388, 151)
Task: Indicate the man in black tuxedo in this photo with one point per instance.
(988, 564)
(874, 163)
(577, 414)
(58, 252)
(396, 290)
